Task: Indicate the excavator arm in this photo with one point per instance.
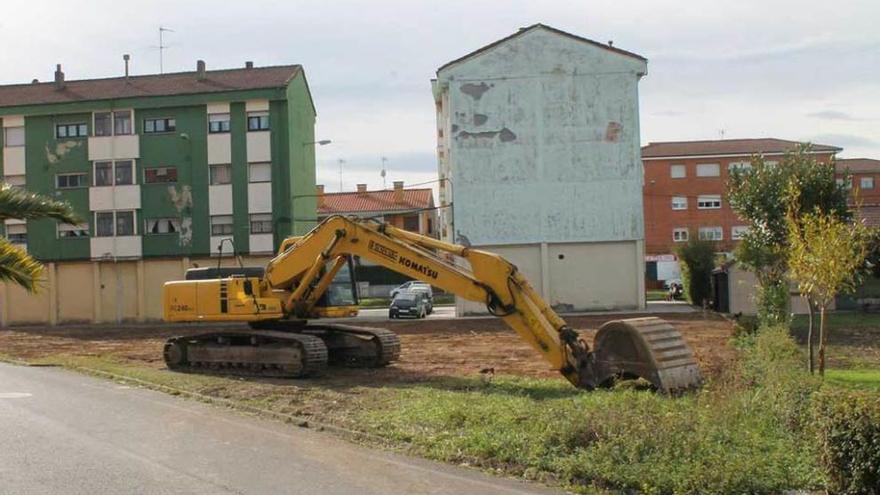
(646, 347)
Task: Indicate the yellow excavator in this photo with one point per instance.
(312, 278)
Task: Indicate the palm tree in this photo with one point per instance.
(17, 266)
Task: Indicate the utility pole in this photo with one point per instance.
(384, 172)
(341, 163)
(162, 47)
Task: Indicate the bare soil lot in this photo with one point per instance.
(431, 348)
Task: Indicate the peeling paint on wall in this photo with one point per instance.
(475, 91)
(182, 201)
(61, 149)
(480, 119)
(504, 134)
(612, 132)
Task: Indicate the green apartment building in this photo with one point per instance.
(163, 169)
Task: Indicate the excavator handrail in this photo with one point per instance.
(491, 279)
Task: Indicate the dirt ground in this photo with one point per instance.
(430, 348)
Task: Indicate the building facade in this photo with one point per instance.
(162, 169)
(684, 194)
(864, 174)
(538, 157)
(408, 209)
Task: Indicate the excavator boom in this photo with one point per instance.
(298, 276)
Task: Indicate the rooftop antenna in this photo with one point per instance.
(722, 132)
(162, 47)
(384, 172)
(341, 163)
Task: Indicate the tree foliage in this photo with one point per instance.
(16, 265)
(826, 255)
(697, 261)
(759, 197)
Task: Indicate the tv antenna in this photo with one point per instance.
(162, 47)
(384, 172)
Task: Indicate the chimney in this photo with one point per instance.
(398, 191)
(126, 57)
(320, 191)
(59, 77)
(611, 43)
(248, 65)
(200, 70)
(362, 189)
(35, 81)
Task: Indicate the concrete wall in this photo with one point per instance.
(577, 276)
(540, 138)
(742, 287)
(99, 292)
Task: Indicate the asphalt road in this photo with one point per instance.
(65, 433)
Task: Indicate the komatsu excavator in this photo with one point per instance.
(312, 278)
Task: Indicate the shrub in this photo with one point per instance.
(848, 424)
(697, 261)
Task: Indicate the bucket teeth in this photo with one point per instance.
(649, 348)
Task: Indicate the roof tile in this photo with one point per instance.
(180, 83)
(375, 201)
(726, 147)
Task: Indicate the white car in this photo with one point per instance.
(412, 285)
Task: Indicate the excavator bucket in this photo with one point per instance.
(649, 348)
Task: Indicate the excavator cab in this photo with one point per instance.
(340, 300)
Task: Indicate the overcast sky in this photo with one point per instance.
(789, 69)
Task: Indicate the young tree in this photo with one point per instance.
(825, 257)
(697, 261)
(16, 265)
(758, 196)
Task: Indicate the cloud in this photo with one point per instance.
(845, 140)
(832, 115)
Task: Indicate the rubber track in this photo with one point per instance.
(313, 349)
(388, 343)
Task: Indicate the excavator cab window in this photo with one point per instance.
(343, 289)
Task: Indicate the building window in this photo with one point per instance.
(741, 166)
(221, 225)
(114, 223)
(261, 223)
(258, 121)
(259, 172)
(66, 231)
(218, 122)
(156, 126)
(124, 173)
(771, 163)
(63, 131)
(220, 174)
(679, 203)
(17, 234)
(411, 223)
(680, 234)
(120, 173)
(738, 231)
(71, 181)
(866, 183)
(13, 136)
(122, 123)
(708, 170)
(124, 223)
(156, 226)
(103, 224)
(103, 173)
(843, 182)
(15, 180)
(711, 233)
(709, 202)
(677, 171)
(157, 175)
(112, 123)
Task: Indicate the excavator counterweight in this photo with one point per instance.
(311, 278)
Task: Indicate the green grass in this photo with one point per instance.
(864, 379)
(840, 319)
(656, 295)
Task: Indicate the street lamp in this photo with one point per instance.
(321, 142)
